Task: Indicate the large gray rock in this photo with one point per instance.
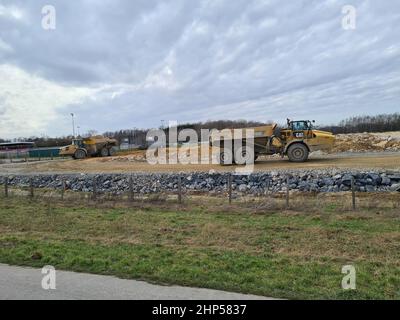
(376, 178)
(346, 180)
(395, 187)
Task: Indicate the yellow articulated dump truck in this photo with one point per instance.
(89, 147)
(296, 141)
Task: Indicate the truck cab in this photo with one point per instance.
(78, 143)
(300, 138)
(298, 129)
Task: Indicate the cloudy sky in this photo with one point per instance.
(132, 63)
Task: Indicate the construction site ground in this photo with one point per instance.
(117, 165)
(352, 151)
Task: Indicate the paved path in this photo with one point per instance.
(26, 283)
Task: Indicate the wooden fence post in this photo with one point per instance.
(94, 188)
(230, 188)
(353, 193)
(287, 192)
(6, 187)
(63, 187)
(31, 190)
(131, 193)
(179, 189)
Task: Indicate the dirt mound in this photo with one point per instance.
(367, 142)
(127, 158)
(140, 155)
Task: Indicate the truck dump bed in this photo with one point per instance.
(262, 139)
(259, 132)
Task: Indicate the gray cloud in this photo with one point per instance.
(143, 61)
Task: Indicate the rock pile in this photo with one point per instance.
(255, 184)
(367, 142)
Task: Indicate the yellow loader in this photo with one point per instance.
(90, 147)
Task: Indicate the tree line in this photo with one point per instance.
(359, 124)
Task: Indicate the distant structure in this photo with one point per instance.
(125, 145)
(16, 146)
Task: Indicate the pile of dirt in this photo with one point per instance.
(367, 142)
(136, 157)
(124, 156)
(140, 155)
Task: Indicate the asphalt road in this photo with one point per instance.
(18, 283)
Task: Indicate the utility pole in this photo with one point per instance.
(73, 125)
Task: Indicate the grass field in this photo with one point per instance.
(286, 254)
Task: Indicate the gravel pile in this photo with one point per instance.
(367, 142)
(256, 184)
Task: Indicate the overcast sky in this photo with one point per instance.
(121, 64)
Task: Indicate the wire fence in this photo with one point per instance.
(44, 154)
(180, 195)
(21, 157)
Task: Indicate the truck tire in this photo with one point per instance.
(104, 152)
(80, 154)
(225, 157)
(111, 151)
(298, 152)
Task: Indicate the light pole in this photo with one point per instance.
(73, 125)
(78, 127)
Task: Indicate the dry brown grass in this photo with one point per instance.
(341, 202)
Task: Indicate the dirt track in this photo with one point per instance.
(95, 165)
